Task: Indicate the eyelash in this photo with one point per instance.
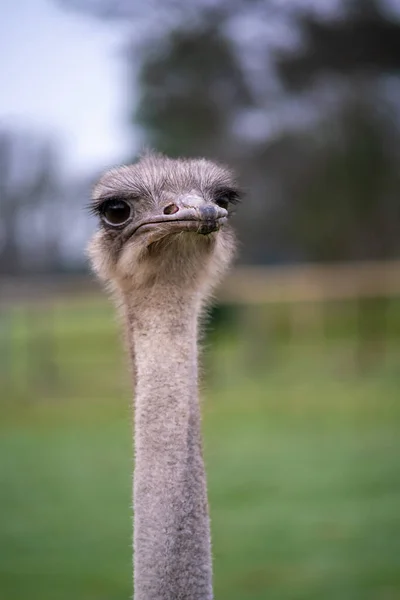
(232, 196)
(96, 208)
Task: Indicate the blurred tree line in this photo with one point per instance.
(302, 102)
(42, 225)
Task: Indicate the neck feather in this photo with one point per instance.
(172, 555)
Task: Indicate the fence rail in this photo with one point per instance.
(311, 282)
(245, 285)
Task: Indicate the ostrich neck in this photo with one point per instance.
(172, 556)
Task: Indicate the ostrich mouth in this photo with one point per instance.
(201, 226)
(206, 220)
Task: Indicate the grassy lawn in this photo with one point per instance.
(302, 457)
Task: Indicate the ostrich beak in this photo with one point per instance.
(211, 218)
(204, 218)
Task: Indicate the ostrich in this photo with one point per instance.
(162, 245)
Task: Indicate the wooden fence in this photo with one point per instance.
(270, 304)
(245, 284)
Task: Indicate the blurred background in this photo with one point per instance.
(302, 354)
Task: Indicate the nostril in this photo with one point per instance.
(171, 209)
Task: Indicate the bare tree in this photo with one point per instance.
(27, 181)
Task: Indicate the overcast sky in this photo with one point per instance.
(61, 72)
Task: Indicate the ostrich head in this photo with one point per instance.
(163, 221)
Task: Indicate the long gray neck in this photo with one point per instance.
(172, 548)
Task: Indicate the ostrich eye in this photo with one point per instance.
(224, 197)
(115, 212)
(223, 201)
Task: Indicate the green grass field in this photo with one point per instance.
(302, 454)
